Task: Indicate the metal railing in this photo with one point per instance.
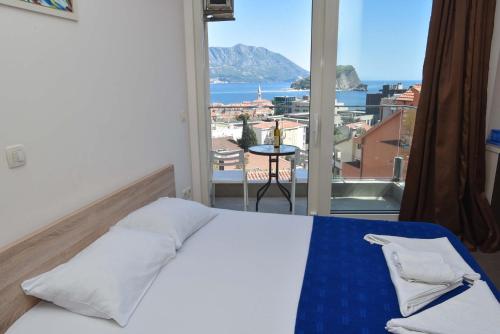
(352, 122)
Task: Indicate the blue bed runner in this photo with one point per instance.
(347, 287)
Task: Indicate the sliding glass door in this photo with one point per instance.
(367, 95)
(341, 77)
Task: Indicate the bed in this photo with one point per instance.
(225, 279)
(258, 273)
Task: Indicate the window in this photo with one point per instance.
(356, 160)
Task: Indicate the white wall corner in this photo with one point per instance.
(493, 102)
(197, 98)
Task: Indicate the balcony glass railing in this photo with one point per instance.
(371, 149)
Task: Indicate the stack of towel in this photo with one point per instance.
(473, 311)
(422, 270)
(418, 284)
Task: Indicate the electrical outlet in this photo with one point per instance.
(16, 156)
(187, 193)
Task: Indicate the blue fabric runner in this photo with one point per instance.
(347, 287)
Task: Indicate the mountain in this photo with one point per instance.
(347, 79)
(243, 63)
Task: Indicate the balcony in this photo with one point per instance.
(348, 196)
(366, 196)
(369, 160)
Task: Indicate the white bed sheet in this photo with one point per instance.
(241, 273)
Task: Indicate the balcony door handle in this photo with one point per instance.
(315, 131)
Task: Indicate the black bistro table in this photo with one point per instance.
(274, 155)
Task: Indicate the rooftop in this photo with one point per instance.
(256, 165)
(224, 144)
(358, 125)
(409, 95)
(282, 125)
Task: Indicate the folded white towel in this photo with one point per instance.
(473, 311)
(423, 267)
(412, 296)
(441, 246)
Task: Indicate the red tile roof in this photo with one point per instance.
(224, 144)
(406, 96)
(358, 125)
(409, 95)
(255, 163)
(282, 125)
(263, 175)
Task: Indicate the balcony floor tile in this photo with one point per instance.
(267, 204)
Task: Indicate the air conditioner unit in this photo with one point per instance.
(219, 6)
(219, 10)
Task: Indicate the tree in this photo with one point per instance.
(248, 137)
(360, 132)
(409, 117)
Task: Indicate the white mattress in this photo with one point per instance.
(241, 273)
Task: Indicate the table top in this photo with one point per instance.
(270, 150)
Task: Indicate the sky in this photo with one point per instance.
(382, 39)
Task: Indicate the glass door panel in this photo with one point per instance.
(381, 47)
(259, 73)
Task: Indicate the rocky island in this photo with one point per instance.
(347, 79)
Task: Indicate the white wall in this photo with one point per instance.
(493, 107)
(97, 104)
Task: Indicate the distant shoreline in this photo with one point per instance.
(389, 82)
(228, 93)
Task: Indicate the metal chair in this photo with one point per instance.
(299, 172)
(219, 160)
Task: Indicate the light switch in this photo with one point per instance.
(16, 156)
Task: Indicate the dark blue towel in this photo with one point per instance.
(347, 287)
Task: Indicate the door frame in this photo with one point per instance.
(321, 122)
(197, 81)
(322, 109)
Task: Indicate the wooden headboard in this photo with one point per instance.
(60, 241)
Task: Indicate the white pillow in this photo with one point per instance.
(107, 279)
(174, 217)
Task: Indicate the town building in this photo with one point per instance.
(293, 133)
(301, 106)
(373, 100)
(375, 150)
(257, 109)
(231, 130)
(283, 104)
(410, 97)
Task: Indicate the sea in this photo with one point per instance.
(238, 92)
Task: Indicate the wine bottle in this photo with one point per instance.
(277, 136)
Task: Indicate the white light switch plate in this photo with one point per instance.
(16, 156)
